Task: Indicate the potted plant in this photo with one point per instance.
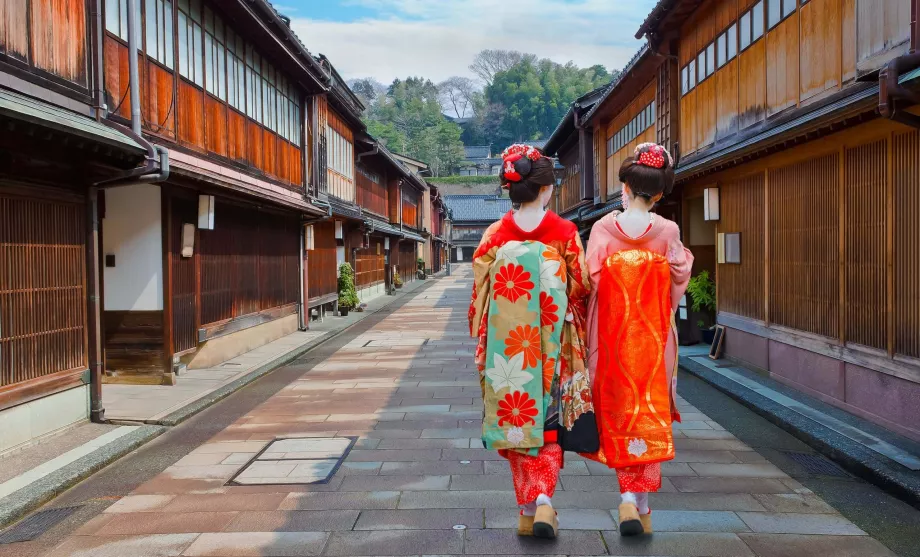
(421, 268)
(348, 297)
(397, 280)
(702, 291)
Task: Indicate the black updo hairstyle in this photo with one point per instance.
(534, 175)
(645, 181)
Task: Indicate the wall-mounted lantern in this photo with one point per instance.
(711, 204)
(188, 239)
(309, 239)
(206, 212)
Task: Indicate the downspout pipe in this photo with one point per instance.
(376, 151)
(133, 73)
(98, 62)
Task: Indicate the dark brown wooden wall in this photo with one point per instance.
(372, 192)
(49, 35)
(411, 201)
(370, 264)
(42, 288)
(197, 116)
(813, 52)
(570, 194)
(248, 263)
(321, 265)
(841, 239)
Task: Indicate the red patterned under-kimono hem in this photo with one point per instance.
(535, 475)
(643, 478)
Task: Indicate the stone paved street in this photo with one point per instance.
(418, 482)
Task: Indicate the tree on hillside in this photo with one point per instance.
(536, 95)
(367, 89)
(457, 95)
(408, 120)
(490, 62)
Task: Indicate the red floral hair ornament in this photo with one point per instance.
(654, 156)
(513, 154)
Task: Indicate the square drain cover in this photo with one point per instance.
(817, 465)
(296, 461)
(36, 525)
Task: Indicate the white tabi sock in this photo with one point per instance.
(544, 500)
(629, 497)
(642, 503)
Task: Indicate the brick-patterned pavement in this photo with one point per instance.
(418, 481)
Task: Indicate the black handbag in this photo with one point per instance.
(583, 437)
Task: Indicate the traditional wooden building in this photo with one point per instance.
(438, 242)
(471, 215)
(55, 147)
(799, 144)
(154, 209)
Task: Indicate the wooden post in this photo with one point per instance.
(767, 284)
(842, 249)
(889, 248)
(602, 162)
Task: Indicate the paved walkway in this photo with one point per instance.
(417, 481)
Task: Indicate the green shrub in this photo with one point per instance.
(702, 291)
(348, 296)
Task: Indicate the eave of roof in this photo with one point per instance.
(660, 13)
(563, 129)
(644, 52)
(17, 106)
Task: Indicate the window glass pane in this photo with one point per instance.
(710, 59)
(221, 73)
(195, 10)
(168, 35)
(720, 50)
(199, 55)
(788, 7)
(209, 49)
(183, 46)
(123, 19)
(692, 74)
(112, 20)
(732, 42)
(701, 66)
(757, 21)
(652, 106)
(683, 80)
(150, 38)
(745, 30)
(774, 12)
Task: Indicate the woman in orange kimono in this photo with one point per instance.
(528, 313)
(639, 271)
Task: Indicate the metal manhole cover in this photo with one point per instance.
(296, 461)
(36, 525)
(817, 465)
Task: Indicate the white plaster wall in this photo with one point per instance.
(22, 424)
(133, 230)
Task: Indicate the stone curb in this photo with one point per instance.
(17, 504)
(196, 406)
(852, 456)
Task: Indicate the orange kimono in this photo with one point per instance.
(632, 344)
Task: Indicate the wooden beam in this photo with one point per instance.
(767, 284)
(889, 241)
(842, 249)
(25, 391)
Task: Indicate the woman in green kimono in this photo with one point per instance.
(528, 313)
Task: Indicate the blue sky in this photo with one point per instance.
(385, 39)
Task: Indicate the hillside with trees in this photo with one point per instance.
(517, 97)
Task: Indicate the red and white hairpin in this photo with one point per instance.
(513, 154)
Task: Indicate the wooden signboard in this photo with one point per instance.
(715, 352)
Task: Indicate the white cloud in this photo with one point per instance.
(439, 39)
